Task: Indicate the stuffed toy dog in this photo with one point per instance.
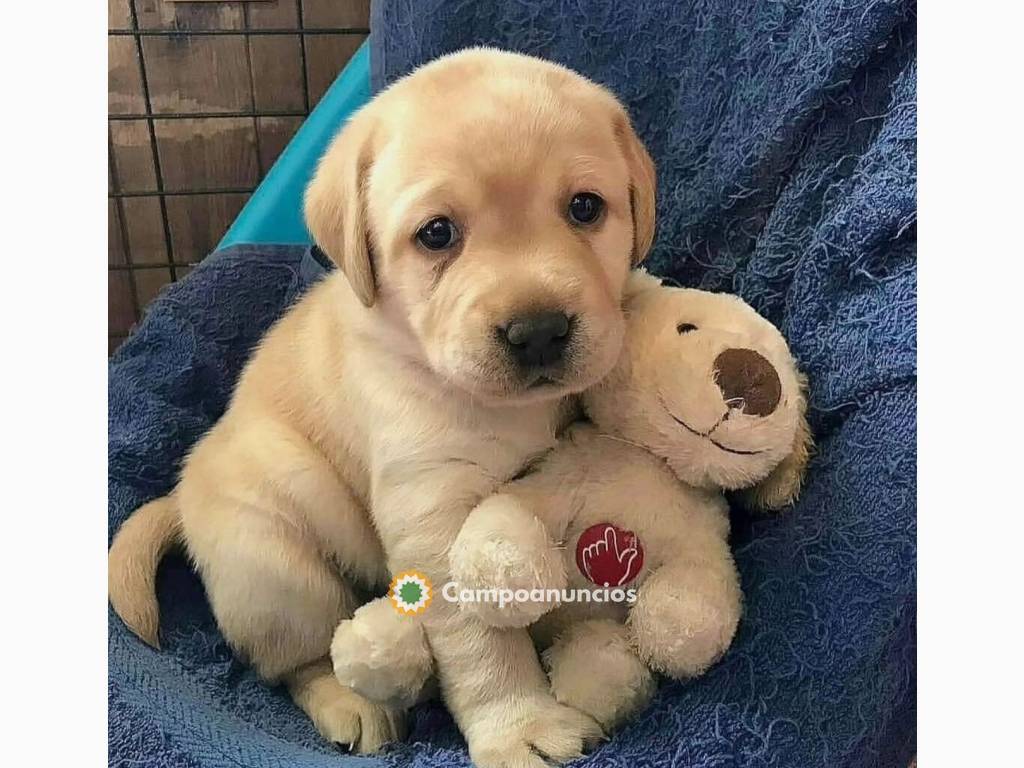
(706, 397)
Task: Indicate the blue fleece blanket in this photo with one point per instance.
(784, 134)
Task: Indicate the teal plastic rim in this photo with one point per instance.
(274, 212)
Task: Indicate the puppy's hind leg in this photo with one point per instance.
(277, 601)
(340, 714)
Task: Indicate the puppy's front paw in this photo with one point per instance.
(503, 549)
(383, 655)
(533, 732)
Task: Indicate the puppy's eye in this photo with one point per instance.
(437, 234)
(585, 208)
(685, 328)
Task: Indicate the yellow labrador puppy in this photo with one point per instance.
(484, 213)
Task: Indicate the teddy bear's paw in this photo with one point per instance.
(383, 655)
(593, 669)
(681, 626)
(505, 559)
(533, 732)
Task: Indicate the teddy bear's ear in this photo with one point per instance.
(638, 282)
(783, 484)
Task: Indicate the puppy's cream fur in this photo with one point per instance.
(385, 388)
(640, 469)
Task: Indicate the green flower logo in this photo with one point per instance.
(410, 593)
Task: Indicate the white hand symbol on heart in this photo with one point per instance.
(610, 544)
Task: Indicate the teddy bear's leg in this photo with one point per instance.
(383, 655)
(593, 669)
(503, 547)
(686, 614)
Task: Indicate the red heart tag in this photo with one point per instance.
(609, 556)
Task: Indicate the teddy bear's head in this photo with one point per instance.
(710, 386)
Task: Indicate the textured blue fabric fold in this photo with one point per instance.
(784, 134)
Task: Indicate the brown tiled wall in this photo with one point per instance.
(203, 96)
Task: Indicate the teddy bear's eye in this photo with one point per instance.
(685, 328)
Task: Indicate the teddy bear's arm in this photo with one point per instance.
(687, 610)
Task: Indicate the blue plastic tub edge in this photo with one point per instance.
(274, 212)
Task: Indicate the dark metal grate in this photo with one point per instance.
(167, 208)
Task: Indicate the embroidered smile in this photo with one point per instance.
(707, 435)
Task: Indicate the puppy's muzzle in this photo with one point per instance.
(748, 381)
(537, 341)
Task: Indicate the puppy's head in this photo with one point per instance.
(489, 207)
(710, 386)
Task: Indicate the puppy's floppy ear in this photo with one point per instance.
(783, 484)
(642, 186)
(335, 208)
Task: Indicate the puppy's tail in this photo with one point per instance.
(138, 547)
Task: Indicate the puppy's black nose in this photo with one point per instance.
(748, 381)
(537, 340)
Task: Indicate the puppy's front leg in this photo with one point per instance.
(491, 678)
(498, 693)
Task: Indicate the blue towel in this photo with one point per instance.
(784, 134)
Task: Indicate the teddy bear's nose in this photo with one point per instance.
(745, 375)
